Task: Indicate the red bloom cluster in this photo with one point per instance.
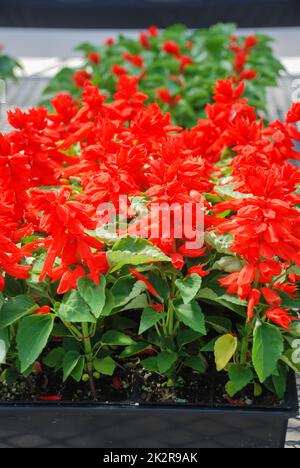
(241, 57)
(264, 220)
(93, 153)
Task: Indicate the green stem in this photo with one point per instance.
(244, 351)
(171, 319)
(74, 332)
(245, 345)
(89, 357)
(157, 330)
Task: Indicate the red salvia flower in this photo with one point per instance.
(253, 300)
(44, 310)
(159, 308)
(293, 115)
(142, 278)
(119, 70)
(165, 96)
(136, 60)
(177, 261)
(172, 48)
(80, 77)
(251, 41)
(110, 41)
(94, 57)
(281, 317)
(198, 270)
(272, 297)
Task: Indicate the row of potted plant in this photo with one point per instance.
(54, 241)
(177, 67)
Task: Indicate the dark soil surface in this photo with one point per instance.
(135, 386)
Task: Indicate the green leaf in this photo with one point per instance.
(221, 244)
(160, 285)
(191, 315)
(126, 289)
(32, 338)
(186, 336)
(105, 366)
(240, 377)
(133, 350)
(225, 300)
(267, 350)
(189, 287)
(165, 360)
(74, 309)
(209, 347)
(16, 308)
(195, 363)
(257, 390)
(116, 338)
(4, 344)
(225, 348)
(280, 381)
(227, 192)
(78, 370)
(292, 359)
(10, 376)
(14, 287)
(295, 329)
(139, 303)
(149, 318)
(54, 358)
(287, 301)
(93, 294)
(150, 364)
(70, 361)
(134, 251)
(220, 324)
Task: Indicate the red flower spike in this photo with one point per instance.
(293, 115)
(159, 308)
(177, 261)
(94, 57)
(281, 317)
(141, 277)
(110, 41)
(253, 300)
(172, 48)
(165, 96)
(272, 297)
(198, 270)
(250, 42)
(80, 77)
(248, 75)
(136, 60)
(119, 70)
(44, 310)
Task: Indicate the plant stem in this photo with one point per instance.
(171, 319)
(245, 346)
(171, 315)
(74, 332)
(157, 330)
(89, 357)
(244, 351)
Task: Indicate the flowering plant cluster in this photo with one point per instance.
(177, 67)
(219, 295)
(8, 65)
